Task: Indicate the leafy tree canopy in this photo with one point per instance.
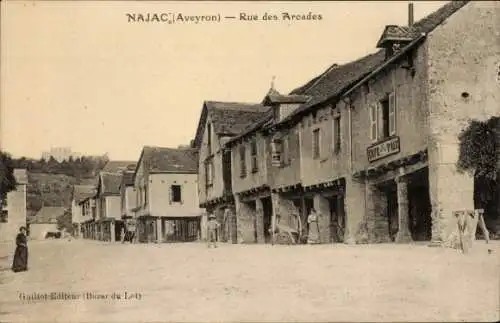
(478, 153)
(7, 179)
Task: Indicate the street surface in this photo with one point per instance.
(188, 282)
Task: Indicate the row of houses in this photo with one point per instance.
(370, 145)
(156, 198)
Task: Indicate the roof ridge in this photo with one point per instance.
(321, 76)
(231, 102)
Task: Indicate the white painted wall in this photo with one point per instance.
(160, 202)
(39, 230)
(113, 207)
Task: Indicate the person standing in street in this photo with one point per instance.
(212, 227)
(20, 262)
(313, 233)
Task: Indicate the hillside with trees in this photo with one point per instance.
(50, 183)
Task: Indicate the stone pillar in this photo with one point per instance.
(234, 226)
(377, 222)
(275, 199)
(449, 190)
(436, 218)
(219, 216)
(354, 209)
(322, 207)
(368, 234)
(113, 232)
(259, 220)
(403, 235)
(159, 233)
(245, 221)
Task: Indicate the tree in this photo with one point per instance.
(7, 179)
(479, 154)
(64, 221)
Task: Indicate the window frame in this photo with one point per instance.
(316, 143)
(253, 156)
(173, 195)
(377, 118)
(336, 133)
(242, 156)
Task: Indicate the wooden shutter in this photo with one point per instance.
(373, 123)
(380, 121)
(392, 114)
(170, 194)
(285, 155)
(180, 194)
(276, 152)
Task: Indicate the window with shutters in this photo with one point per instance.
(253, 156)
(176, 193)
(276, 147)
(209, 172)
(139, 197)
(243, 166)
(392, 114)
(336, 134)
(373, 123)
(316, 144)
(285, 156)
(383, 118)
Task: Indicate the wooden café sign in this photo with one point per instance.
(383, 149)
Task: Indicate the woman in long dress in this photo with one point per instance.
(313, 234)
(20, 262)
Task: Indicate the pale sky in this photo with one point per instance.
(78, 74)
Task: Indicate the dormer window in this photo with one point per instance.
(276, 113)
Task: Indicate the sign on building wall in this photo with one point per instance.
(383, 149)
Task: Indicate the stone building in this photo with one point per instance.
(13, 213)
(266, 171)
(44, 223)
(220, 121)
(372, 144)
(78, 216)
(88, 208)
(128, 200)
(108, 222)
(166, 183)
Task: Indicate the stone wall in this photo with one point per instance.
(355, 208)
(463, 61)
(16, 208)
(217, 189)
(245, 221)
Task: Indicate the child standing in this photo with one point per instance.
(212, 227)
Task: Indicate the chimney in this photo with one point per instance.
(410, 14)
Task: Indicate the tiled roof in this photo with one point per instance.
(424, 25)
(81, 192)
(110, 183)
(397, 33)
(274, 96)
(116, 166)
(170, 160)
(431, 21)
(48, 214)
(259, 123)
(337, 78)
(230, 118)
